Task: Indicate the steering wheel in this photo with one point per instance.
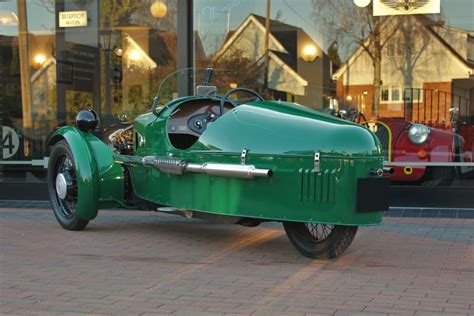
(233, 102)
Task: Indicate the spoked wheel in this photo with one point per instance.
(62, 186)
(319, 241)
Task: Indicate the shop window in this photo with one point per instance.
(113, 64)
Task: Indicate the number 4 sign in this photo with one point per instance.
(10, 142)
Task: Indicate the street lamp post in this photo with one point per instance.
(107, 40)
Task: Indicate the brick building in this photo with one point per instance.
(426, 69)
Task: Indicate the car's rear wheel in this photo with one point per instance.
(319, 241)
(62, 186)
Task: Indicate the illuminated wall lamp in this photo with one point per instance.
(134, 55)
(118, 51)
(310, 52)
(8, 18)
(158, 9)
(362, 3)
(39, 61)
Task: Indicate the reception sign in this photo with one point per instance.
(72, 18)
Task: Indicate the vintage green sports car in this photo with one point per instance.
(231, 157)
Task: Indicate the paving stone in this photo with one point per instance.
(132, 262)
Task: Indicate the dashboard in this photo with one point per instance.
(193, 117)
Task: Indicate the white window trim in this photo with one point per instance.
(417, 88)
(401, 90)
(390, 88)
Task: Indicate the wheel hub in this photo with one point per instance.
(61, 186)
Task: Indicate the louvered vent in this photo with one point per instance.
(318, 187)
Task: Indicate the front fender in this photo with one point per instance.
(100, 179)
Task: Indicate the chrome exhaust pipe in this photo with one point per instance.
(180, 166)
(229, 170)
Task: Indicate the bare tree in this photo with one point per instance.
(118, 12)
(356, 27)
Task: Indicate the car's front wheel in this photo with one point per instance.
(62, 187)
(439, 176)
(319, 241)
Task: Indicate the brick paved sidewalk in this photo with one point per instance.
(138, 262)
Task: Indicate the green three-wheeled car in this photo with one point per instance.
(241, 160)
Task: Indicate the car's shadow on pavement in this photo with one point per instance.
(198, 237)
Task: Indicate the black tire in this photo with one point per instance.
(319, 241)
(61, 161)
(439, 176)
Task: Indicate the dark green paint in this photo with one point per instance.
(279, 136)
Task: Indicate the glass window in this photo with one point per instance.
(384, 96)
(412, 94)
(395, 94)
(110, 61)
(397, 67)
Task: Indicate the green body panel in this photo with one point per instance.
(279, 129)
(279, 136)
(100, 179)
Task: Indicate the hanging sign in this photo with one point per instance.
(405, 7)
(72, 18)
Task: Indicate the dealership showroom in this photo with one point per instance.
(240, 157)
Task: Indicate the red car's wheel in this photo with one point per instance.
(438, 176)
(319, 241)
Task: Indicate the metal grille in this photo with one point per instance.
(318, 187)
(382, 134)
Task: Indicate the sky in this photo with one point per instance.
(211, 17)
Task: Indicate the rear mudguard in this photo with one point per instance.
(100, 179)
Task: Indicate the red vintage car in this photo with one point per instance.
(418, 153)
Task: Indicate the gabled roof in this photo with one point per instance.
(235, 34)
(450, 47)
(286, 58)
(282, 35)
(430, 25)
(275, 57)
(283, 40)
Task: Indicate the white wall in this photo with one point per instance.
(251, 42)
(430, 61)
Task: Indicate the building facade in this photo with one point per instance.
(58, 57)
